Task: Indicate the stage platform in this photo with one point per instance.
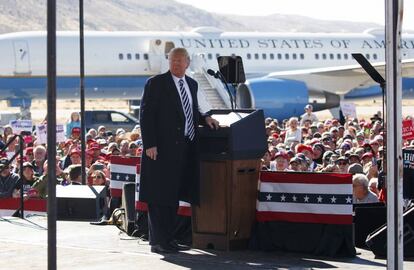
(23, 245)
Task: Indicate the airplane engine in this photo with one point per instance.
(282, 98)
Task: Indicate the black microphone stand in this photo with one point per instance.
(218, 75)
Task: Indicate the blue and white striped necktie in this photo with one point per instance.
(187, 110)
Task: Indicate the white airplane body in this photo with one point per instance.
(322, 62)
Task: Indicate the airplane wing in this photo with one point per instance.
(342, 79)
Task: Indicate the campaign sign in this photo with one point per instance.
(408, 173)
(21, 125)
(407, 129)
(348, 109)
(41, 131)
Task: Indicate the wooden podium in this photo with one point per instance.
(230, 164)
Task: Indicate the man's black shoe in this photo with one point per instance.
(175, 245)
(162, 250)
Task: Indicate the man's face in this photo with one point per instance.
(178, 64)
(39, 155)
(75, 158)
(6, 171)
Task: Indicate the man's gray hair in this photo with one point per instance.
(360, 179)
(179, 51)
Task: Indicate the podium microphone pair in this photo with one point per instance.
(218, 75)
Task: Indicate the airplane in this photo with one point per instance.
(284, 71)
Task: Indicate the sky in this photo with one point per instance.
(348, 10)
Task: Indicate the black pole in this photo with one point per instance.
(82, 91)
(21, 176)
(51, 133)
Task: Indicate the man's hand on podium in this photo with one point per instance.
(212, 123)
(152, 153)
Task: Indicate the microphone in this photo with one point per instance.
(212, 73)
(218, 75)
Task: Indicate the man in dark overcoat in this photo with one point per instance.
(170, 166)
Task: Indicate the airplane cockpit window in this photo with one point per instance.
(145, 56)
(120, 56)
(248, 56)
(129, 56)
(137, 56)
(316, 56)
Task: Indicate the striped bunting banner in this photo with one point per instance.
(305, 197)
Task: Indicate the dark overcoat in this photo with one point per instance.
(164, 181)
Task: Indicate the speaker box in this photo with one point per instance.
(128, 203)
(377, 240)
(368, 218)
(78, 202)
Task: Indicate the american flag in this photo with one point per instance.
(8, 206)
(127, 169)
(123, 170)
(305, 197)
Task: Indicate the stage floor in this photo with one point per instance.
(23, 245)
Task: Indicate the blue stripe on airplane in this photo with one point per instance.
(122, 87)
(407, 86)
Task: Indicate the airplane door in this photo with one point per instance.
(158, 52)
(21, 57)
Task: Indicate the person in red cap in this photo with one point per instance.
(366, 158)
(28, 152)
(76, 132)
(281, 162)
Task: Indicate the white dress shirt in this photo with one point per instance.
(190, 99)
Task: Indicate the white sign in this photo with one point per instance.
(348, 109)
(21, 125)
(41, 131)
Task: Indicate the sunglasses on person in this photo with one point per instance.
(98, 177)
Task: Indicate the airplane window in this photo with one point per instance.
(217, 55)
(272, 56)
(279, 56)
(338, 56)
(145, 56)
(331, 56)
(120, 56)
(263, 55)
(367, 56)
(302, 56)
(137, 56)
(286, 56)
(210, 56)
(294, 56)
(324, 56)
(345, 56)
(316, 56)
(129, 56)
(375, 56)
(248, 56)
(256, 56)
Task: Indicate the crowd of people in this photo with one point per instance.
(300, 145)
(355, 146)
(100, 146)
